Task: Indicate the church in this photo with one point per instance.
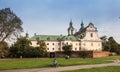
(85, 39)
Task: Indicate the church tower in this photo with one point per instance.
(70, 29)
(82, 27)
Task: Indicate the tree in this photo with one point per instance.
(110, 45)
(83, 54)
(41, 43)
(42, 47)
(67, 49)
(22, 48)
(113, 45)
(3, 49)
(118, 51)
(18, 49)
(104, 43)
(10, 25)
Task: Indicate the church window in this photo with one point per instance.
(53, 43)
(76, 44)
(47, 43)
(67, 43)
(79, 48)
(59, 49)
(58, 43)
(91, 34)
(52, 48)
(75, 48)
(91, 44)
(90, 26)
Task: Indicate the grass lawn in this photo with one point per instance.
(46, 62)
(99, 69)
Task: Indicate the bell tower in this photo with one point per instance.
(70, 29)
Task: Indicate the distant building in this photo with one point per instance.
(86, 39)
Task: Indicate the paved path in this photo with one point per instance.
(63, 68)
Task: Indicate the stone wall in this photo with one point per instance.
(88, 54)
(100, 54)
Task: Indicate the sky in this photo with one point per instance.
(52, 17)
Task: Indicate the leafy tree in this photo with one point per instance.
(3, 49)
(110, 45)
(41, 52)
(104, 43)
(42, 47)
(34, 52)
(83, 54)
(13, 51)
(67, 49)
(29, 52)
(22, 48)
(18, 48)
(41, 43)
(113, 45)
(104, 39)
(118, 50)
(106, 46)
(10, 25)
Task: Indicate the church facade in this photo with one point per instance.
(86, 39)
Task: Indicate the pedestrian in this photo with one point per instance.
(55, 62)
(67, 57)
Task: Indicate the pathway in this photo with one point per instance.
(63, 68)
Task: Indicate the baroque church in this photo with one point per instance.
(86, 39)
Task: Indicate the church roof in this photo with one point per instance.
(72, 38)
(53, 38)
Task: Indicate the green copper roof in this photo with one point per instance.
(53, 37)
(72, 38)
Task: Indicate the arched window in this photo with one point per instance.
(91, 34)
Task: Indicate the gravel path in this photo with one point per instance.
(57, 69)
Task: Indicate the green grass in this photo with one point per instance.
(99, 69)
(46, 62)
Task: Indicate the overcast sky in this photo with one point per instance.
(52, 17)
